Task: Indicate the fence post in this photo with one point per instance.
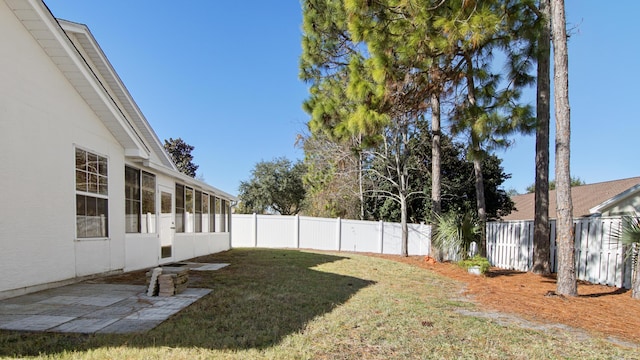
(255, 230)
(296, 231)
(381, 236)
(422, 237)
(338, 233)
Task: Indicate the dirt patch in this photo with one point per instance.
(598, 309)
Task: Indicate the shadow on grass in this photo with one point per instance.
(263, 296)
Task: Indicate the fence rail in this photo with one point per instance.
(600, 257)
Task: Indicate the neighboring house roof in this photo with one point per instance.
(75, 51)
(587, 199)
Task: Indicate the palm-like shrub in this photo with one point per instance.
(454, 233)
(629, 235)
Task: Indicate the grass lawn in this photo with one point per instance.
(289, 304)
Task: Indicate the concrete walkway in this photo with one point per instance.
(93, 308)
(97, 308)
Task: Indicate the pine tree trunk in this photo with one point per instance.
(477, 163)
(403, 172)
(567, 284)
(360, 181)
(481, 204)
(436, 205)
(541, 230)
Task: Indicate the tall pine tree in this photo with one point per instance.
(567, 283)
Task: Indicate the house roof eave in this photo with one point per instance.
(87, 69)
(118, 88)
(188, 180)
(47, 31)
(614, 200)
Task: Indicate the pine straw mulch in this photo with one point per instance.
(606, 310)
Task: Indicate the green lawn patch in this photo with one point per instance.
(289, 304)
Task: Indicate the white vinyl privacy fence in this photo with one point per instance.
(600, 257)
(302, 232)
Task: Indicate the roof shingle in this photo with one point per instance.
(584, 197)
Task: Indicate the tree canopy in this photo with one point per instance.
(333, 178)
(180, 153)
(458, 186)
(575, 181)
(376, 69)
(275, 186)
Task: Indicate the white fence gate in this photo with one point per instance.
(600, 257)
(302, 232)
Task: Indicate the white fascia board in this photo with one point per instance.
(136, 154)
(124, 96)
(620, 197)
(96, 85)
(46, 30)
(188, 180)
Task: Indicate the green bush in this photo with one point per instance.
(454, 232)
(477, 260)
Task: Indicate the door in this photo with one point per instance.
(167, 224)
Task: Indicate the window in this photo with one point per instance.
(185, 204)
(212, 214)
(132, 200)
(165, 202)
(140, 201)
(205, 212)
(223, 215)
(195, 211)
(92, 204)
(148, 202)
(198, 211)
(220, 215)
(188, 209)
(179, 208)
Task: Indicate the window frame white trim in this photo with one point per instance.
(96, 195)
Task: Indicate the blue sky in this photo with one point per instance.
(223, 76)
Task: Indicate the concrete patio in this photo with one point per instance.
(96, 308)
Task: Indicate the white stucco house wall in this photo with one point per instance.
(86, 187)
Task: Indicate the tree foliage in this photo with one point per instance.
(487, 109)
(180, 153)
(332, 178)
(456, 231)
(458, 184)
(575, 181)
(377, 68)
(629, 235)
(275, 186)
